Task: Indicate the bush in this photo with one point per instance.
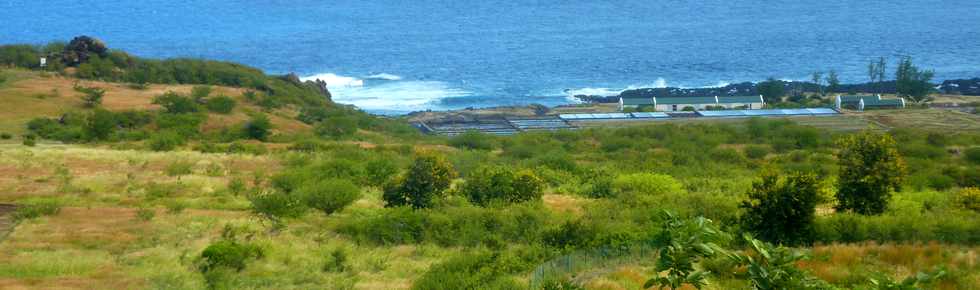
(276, 206)
(30, 140)
(36, 210)
(165, 141)
(174, 103)
(870, 169)
(145, 214)
(969, 198)
(972, 155)
(756, 151)
(336, 126)
(427, 179)
(478, 270)
(221, 104)
(6, 136)
(258, 127)
(100, 125)
(472, 140)
(329, 196)
(199, 93)
(228, 254)
(380, 170)
(781, 209)
(500, 184)
(336, 261)
(645, 184)
(91, 96)
(179, 168)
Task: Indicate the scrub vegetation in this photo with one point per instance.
(172, 186)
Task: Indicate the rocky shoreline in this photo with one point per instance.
(967, 87)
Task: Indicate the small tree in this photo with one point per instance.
(220, 104)
(199, 93)
(833, 82)
(772, 90)
(774, 268)
(174, 103)
(492, 184)
(817, 79)
(429, 176)
(329, 196)
(912, 82)
(91, 96)
(870, 169)
(781, 210)
(684, 244)
(100, 124)
(258, 127)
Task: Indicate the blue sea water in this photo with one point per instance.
(391, 56)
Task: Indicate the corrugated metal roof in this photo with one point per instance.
(856, 99)
(739, 99)
(637, 101)
(686, 101)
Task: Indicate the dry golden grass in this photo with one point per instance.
(52, 95)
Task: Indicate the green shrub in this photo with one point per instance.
(236, 186)
(179, 168)
(972, 154)
(472, 140)
(228, 254)
(6, 136)
(30, 140)
(329, 196)
(37, 209)
(336, 127)
(145, 214)
(782, 209)
(199, 93)
(427, 179)
(923, 151)
(479, 270)
(187, 125)
(221, 104)
(756, 151)
(640, 184)
(336, 261)
(276, 206)
(258, 127)
(165, 141)
(500, 184)
(175, 207)
(91, 96)
(870, 169)
(174, 103)
(380, 170)
(969, 198)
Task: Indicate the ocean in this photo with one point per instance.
(393, 57)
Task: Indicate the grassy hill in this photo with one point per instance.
(339, 199)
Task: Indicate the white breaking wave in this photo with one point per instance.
(394, 94)
(384, 76)
(336, 81)
(610, 92)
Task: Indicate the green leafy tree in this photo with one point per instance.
(833, 82)
(781, 210)
(491, 184)
(91, 96)
(221, 104)
(336, 126)
(684, 244)
(769, 267)
(258, 127)
(429, 176)
(276, 206)
(772, 90)
(817, 79)
(100, 125)
(912, 82)
(330, 195)
(870, 169)
(199, 93)
(174, 103)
